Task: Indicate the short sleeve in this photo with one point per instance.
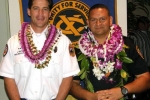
(138, 66)
(70, 64)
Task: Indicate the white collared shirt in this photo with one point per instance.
(33, 83)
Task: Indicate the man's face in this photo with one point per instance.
(143, 27)
(39, 13)
(99, 21)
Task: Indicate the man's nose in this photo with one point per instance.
(98, 22)
(40, 11)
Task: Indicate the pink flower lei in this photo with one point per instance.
(29, 48)
(102, 55)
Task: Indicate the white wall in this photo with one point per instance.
(15, 15)
(122, 15)
(14, 12)
(4, 35)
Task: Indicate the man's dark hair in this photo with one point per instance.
(96, 6)
(30, 3)
(143, 19)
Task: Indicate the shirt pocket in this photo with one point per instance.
(53, 74)
(21, 65)
(54, 68)
(21, 71)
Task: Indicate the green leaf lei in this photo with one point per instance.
(112, 53)
(122, 56)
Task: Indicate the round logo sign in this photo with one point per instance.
(70, 16)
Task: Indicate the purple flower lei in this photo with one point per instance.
(113, 45)
(106, 52)
(49, 42)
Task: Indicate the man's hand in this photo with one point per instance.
(111, 94)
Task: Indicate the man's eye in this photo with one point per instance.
(35, 8)
(93, 20)
(45, 9)
(102, 19)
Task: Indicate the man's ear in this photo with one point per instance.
(111, 20)
(49, 14)
(28, 12)
(87, 22)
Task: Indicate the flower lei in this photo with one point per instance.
(29, 48)
(106, 57)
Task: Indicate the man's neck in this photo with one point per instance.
(38, 29)
(101, 38)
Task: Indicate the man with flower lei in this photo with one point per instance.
(39, 62)
(108, 61)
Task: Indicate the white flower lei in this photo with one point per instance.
(102, 56)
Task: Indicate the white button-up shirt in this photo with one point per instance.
(33, 83)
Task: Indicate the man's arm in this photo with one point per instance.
(78, 92)
(64, 88)
(140, 84)
(11, 89)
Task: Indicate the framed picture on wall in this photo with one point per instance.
(70, 15)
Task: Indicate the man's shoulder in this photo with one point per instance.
(60, 33)
(134, 33)
(127, 39)
(129, 42)
(14, 38)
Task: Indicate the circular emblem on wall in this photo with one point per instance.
(70, 16)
